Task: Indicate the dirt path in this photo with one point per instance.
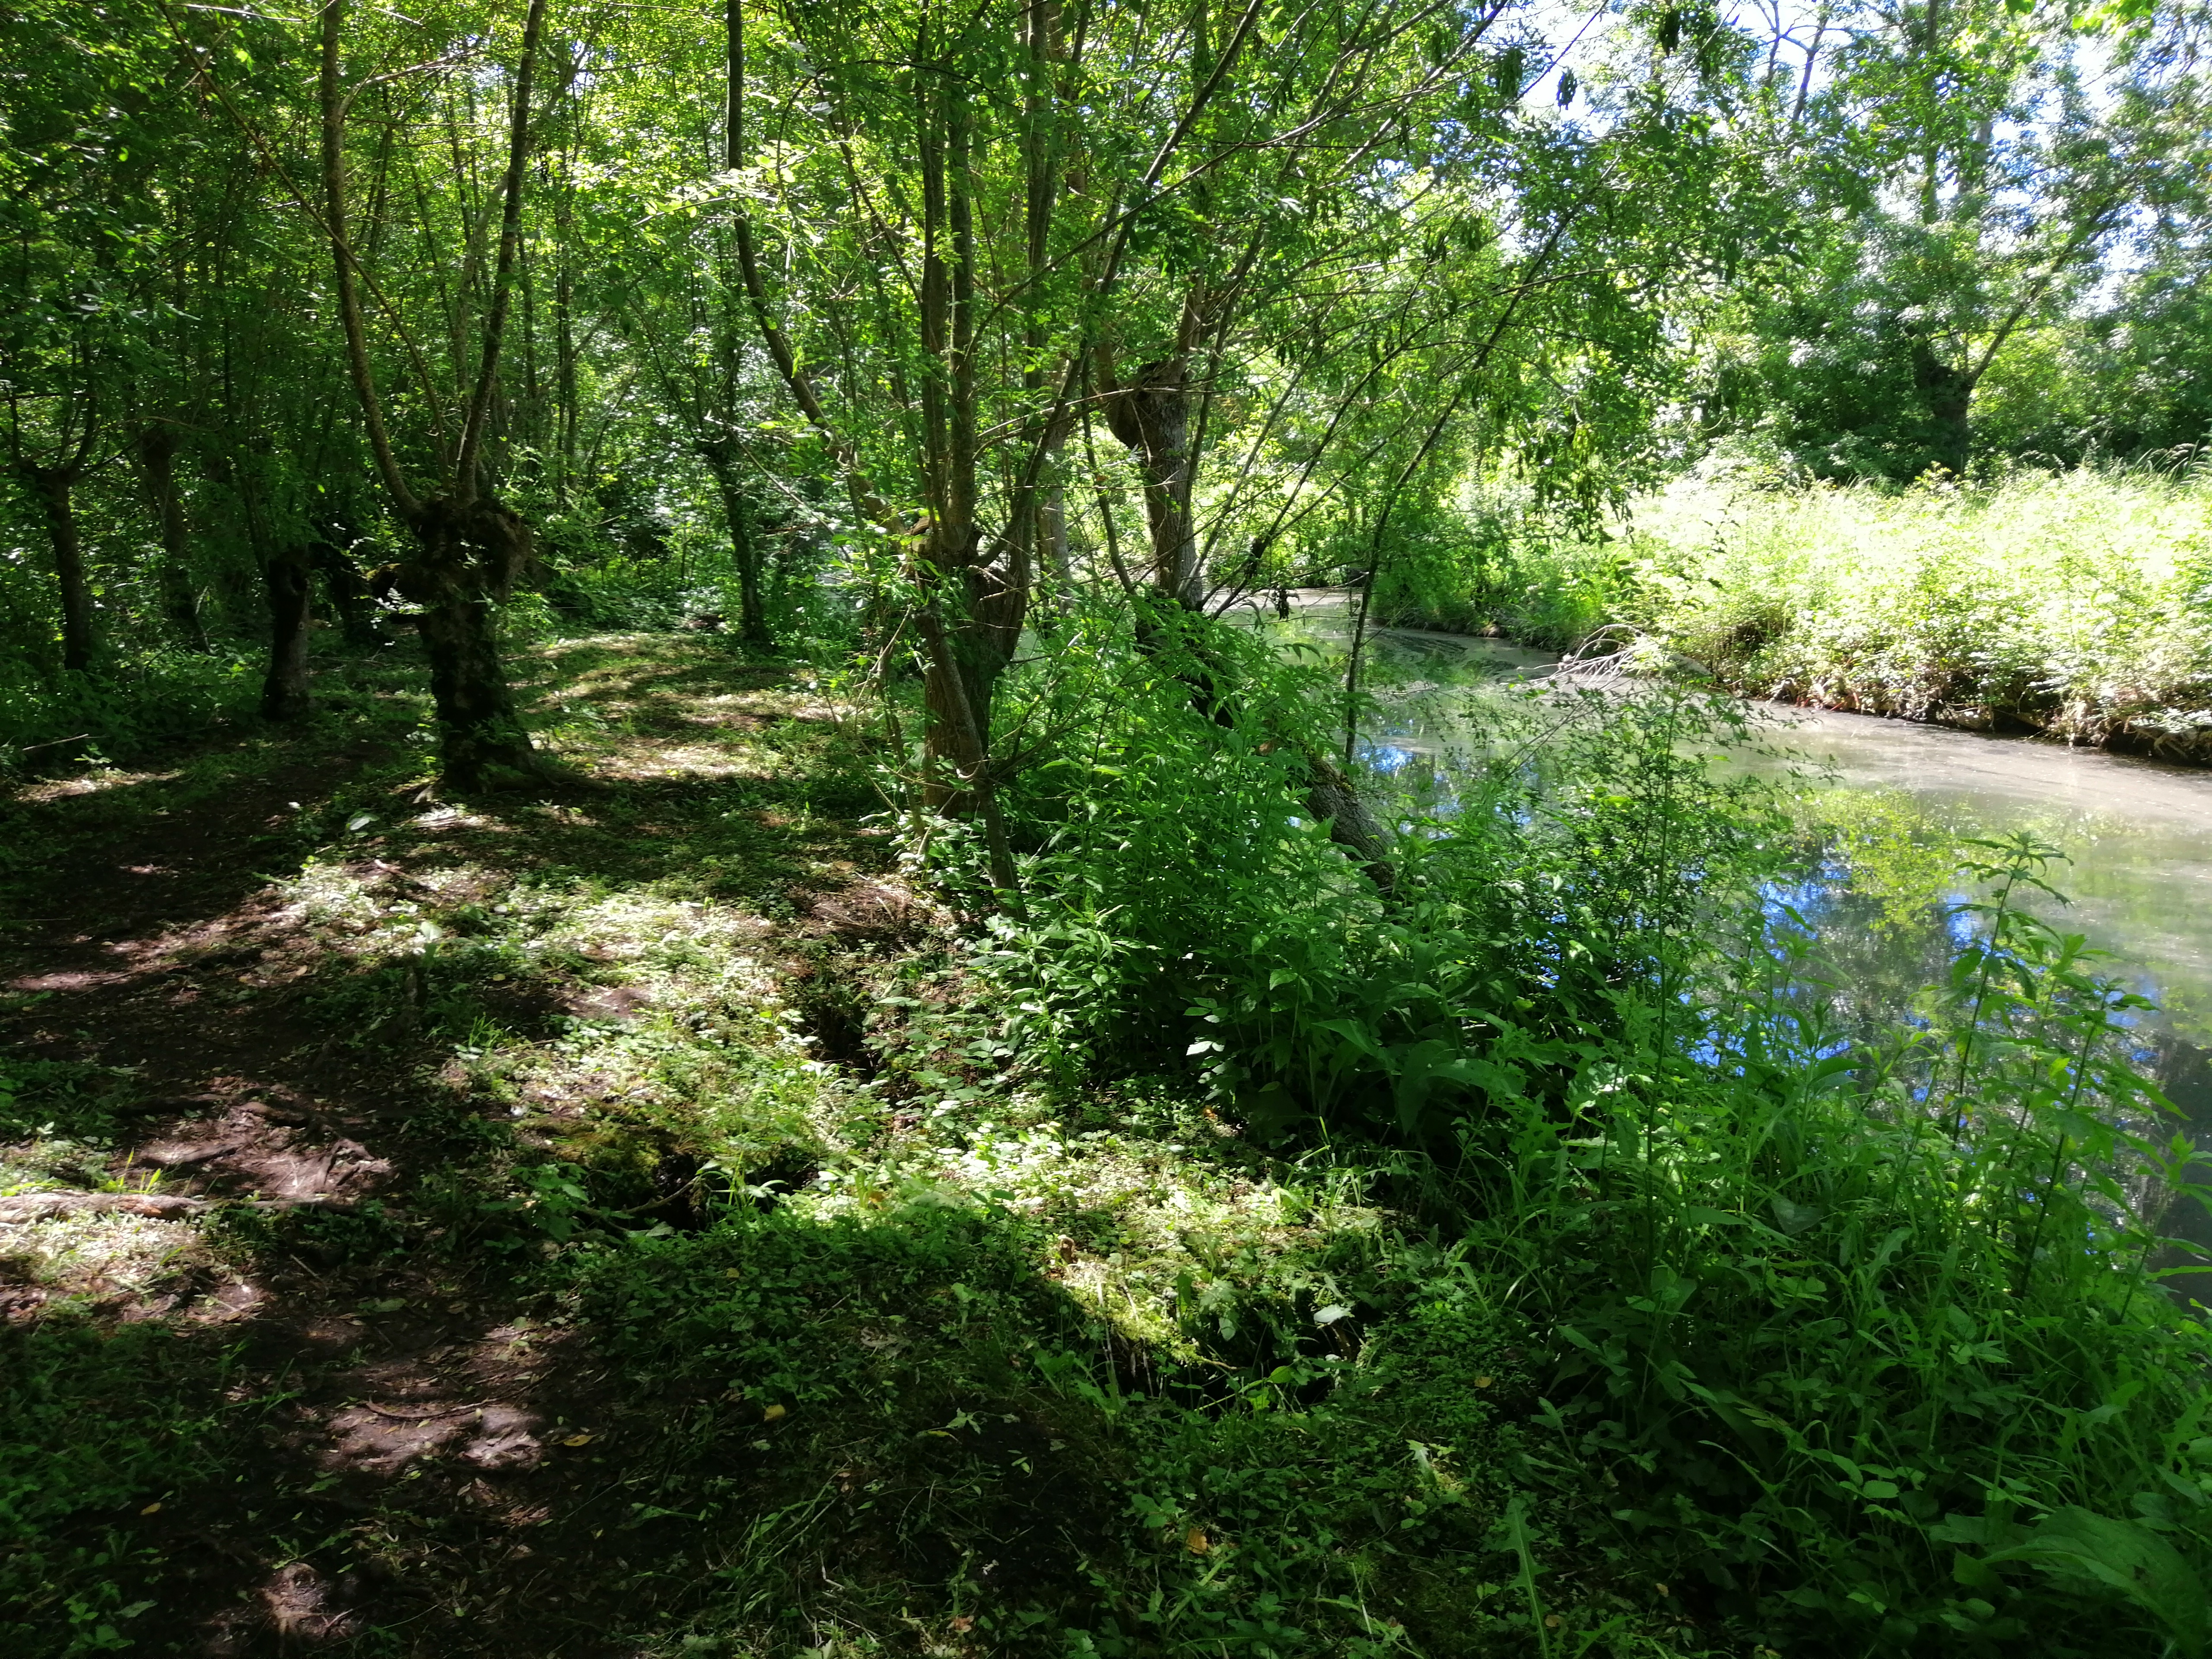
(400, 1445)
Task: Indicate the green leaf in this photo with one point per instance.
(2123, 1556)
(1792, 1218)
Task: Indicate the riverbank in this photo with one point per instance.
(2137, 832)
(2077, 606)
(641, 1220)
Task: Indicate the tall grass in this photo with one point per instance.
(2076, 603)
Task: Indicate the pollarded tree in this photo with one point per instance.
(469, 547)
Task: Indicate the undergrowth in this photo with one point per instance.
(1848, 1330)
(2078, 603)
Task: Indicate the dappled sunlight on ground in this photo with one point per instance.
(289, 1072)
(97, 781)
(415, 1088)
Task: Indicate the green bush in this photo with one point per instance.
(152, 698)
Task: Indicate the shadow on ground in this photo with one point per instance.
(289, 1363)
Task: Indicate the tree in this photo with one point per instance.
(469, 546)
(1962, 175)
(86, 122)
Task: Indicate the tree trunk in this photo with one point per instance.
(480, 742)
(972, 610)
(285, 582)
(971, 626)
(1152, 416)
(181, 601)
(744, 552)
(1052, 533)
(1053, 577)
(1332, 800)
(960, 740)
(1948, 394)
(469, 548)
(466, 561)
(54, 487)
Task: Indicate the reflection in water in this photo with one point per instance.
(2138, 835)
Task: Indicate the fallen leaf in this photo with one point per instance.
(577, 1440)
(1484, 1382)
(1662, 1589)
(1552, 1621)
(149, 1509)
(1197, 1542)
(960, 1626)
(771, 1413)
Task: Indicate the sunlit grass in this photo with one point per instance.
(2077, 603)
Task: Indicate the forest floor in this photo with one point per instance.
(589, 1222)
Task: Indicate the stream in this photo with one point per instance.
(2138, 834)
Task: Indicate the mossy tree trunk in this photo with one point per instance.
(466, 561)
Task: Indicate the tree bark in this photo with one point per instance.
(54, 487)
(1151, 414)
(181, 601)
(1151, 417)
(1332, 800)
(467, 560)
(745, 551)
(972, 609)
(1051, 528)
(469, 548)
(1947, 393)
(957, 725)
(285, 583)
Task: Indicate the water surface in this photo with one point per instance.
(2137, 833)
